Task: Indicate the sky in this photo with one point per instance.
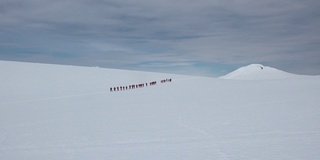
(203, 37)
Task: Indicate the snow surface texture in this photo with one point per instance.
(56, 112)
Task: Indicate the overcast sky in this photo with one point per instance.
(203, 37)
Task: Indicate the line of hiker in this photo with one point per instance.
(136, 86)
(165, 80)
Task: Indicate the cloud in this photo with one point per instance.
(127, 33)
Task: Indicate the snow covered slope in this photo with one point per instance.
(65, 112)
(258, 71)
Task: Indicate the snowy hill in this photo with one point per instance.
(258, 71)
(68, 112)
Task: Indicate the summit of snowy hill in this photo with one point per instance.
(257, 72)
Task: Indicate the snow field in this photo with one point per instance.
(68, 112)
